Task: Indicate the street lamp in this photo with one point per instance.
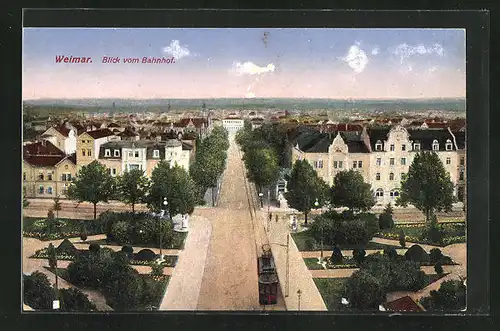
(316, 204)
(165, 204)
(260, 196)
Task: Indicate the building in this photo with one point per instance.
(232, 124)
(62, 136)
(382, 155)
(88, 145)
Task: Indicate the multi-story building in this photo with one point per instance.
(232, 124)
(62, 136)
(383, 156)
(88, 143)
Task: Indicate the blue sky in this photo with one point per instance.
(325, 63)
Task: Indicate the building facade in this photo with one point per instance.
(232, 124)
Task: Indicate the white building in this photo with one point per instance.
(232, 124)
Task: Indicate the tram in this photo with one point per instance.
(268, 277)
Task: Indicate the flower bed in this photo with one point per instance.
(63, 228)
(347, 263)
(455, 233)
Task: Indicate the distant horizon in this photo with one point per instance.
(250, 99)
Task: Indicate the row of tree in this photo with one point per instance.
(174, 185)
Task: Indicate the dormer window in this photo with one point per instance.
(156, 153)
(107, 152)
(449, 145)
(435, 145)
(117, 153)
(378, 145)
(416, 146)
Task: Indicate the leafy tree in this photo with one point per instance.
(176, 186)
(51, 223)
(37, 291)
(350, 190)
(93, 184)
(364, 291)
(72, 299)
(385, 219)
(57, 206)
(94, 248)
(132, 186)
(304, 188)
(390, 252)
(262, 166)
(427, 185)
(359, 255)
(156, 269)
(450, 296)
(402, 238)
(120, 231)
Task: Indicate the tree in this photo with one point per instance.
(359, 255)
(385, 219)
(132, 186)
(438, 268)
(427, 185)
(176, 186)
(402, 238)
(57, 206)
(72, 299)
(262, 165)
(304, 187)
(156, 269)
(350, 190)
(364, 291)
(93, 184)
(26, 203)
(37, 291)
(450, 296)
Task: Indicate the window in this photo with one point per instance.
(391, 161)
(316, 164)
(379, 193)
(403, 147)
(107, 152)
(49, 190)
(448, 160)
(378, 146)
(40, 176)
(461, 177)
(340, 164)
(379, 161)
(24, 176)
(130, 154)
(462, 161)
(49, 176)
(89, 152)
(109, 171)
(360, 164)
(392, 147)
(83, 152)
(156, 153)
(116, 152)
(354, 164)
(335, 164)
(435, 145)
(377, 176)
(391, 176)
(114, 172)
(403, 161)
(66, 167)
(416, 147)
(136, 153)
(133, 166)
(394, 194)
(449, 145)
(320, 164)
(40, 189)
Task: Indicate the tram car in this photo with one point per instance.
(268, 277)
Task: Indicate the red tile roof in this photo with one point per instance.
(42, 148)
(405, 303)
(62, 130)
(43, 160)
(100, 133)
(197, 122)
(437, 125)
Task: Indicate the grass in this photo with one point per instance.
(71, 228)
(454, 231)
(331, 290)
(301, 240)
(178, 242)
(312, 263)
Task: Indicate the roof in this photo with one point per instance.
(197, 122)
(41, 148)
(186, 146)
(318, 142)
(48, 160)
(377, 134)
(460, 138)
(403, 304)
(437, 125)
(127, 133)
(113, 125)
(426, 138)
(100, 133)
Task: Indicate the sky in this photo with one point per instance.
(245, 63)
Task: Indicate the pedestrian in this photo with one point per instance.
(270, 217)
(276, 218)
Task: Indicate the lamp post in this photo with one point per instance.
(260, 197)
(165, 204)
(316, 204)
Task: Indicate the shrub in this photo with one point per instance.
(352, 233)
(67, 247)
(450, 296)
(337, 257)
(120, 231)
(385, 221)
(402, 238)
(83, 236)
(309, 244)
(156, 269)
(145, 255)
(72, 299)
(435, 255)
(438, 268)
(371, 223)
(94, 248)
(129, 250)
(364, 291)
(359, 255)
(416, 254)
(125, 292)
(37, 291)
(433, 231)
(390, 252)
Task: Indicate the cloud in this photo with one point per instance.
(375, 50)
(356, 58)
(250, 68)
(176, 50)
(404, 51)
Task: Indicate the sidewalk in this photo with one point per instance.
(299, 276)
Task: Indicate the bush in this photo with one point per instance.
(450, 296)
(402, 238)
(37, 291)
(364, 291)
(67, 247)
(359, 255)
(156, 269)
(125, 292)
(337, 257)
(94, 248)
(438, 268)
(72, 299)
(310, 244)
(416, 254)
(371, 223)
(385, 221)
(390, 252)
(83, 236)
(435, 255)
(145, 255)
(120, 232)
(433, 232)
(129, 250)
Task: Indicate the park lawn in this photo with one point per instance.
(302, 237)
(332, 290)
(312, 263)
(72, 228)
(178, 242)
(454, 233)
(348, 263)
